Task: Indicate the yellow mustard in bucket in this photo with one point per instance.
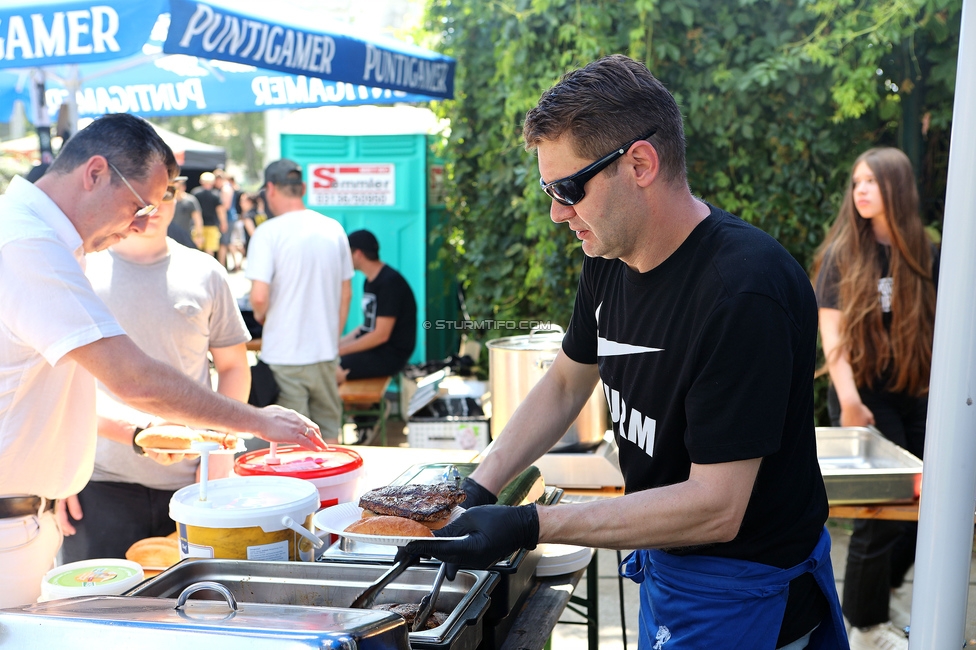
(247, 518)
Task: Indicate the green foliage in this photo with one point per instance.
(779, 97)
(241, 134)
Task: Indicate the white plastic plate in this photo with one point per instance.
(561, 559)
(336, 518)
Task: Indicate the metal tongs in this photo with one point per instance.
(403, 561)
(426, 607)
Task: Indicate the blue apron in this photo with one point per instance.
(697, 601)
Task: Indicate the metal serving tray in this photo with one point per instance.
(859, 465)
(335, 585)
(99, 622)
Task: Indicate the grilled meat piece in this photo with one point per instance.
(417, 502)
(409, 613)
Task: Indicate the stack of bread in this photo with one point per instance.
(155, 554)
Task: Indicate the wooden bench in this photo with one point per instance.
(366, 397)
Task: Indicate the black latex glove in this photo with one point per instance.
(477, 494)
(493, 533)
(403, 556)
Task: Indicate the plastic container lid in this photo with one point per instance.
(243, 502)
(103, 577)
(560, 559)
(301, 463)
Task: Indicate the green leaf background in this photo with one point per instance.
(778, 97)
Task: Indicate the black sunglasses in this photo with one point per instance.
(569, 190)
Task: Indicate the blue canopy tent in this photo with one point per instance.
(230, 56)
(182, 85)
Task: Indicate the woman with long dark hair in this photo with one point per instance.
(876, 276)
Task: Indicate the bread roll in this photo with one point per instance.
(433, 525)
(168, 436)
(389, 526)
(156, 552)
(225, 440)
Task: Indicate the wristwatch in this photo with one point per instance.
(136, 448)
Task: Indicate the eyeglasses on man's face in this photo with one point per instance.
(569, 190)
(147, 209)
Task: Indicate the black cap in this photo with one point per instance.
(283, 172)
(363, 240)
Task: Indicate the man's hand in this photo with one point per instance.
(493, 533)
(285, 426)
(167, 458)
(477, 494)
(62, 509)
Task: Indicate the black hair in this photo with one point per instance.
(128, 142)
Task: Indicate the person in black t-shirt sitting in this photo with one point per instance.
(382, 345)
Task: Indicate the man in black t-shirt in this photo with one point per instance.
(703, 331)
(212, 212)
(382, 345)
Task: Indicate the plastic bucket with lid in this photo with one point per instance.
(104, 577)
(247, 518)
(334, 472)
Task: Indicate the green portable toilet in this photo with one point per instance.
(367, 167)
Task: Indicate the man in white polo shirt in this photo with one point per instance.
(57, 337)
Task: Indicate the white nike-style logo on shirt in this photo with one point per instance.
(608, 348)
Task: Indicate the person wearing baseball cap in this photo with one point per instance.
(283, 172)
(300, 270)
(382, 345)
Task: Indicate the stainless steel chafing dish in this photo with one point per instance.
(98, 622)
(515, 573)
(859, 465)
(313, 585)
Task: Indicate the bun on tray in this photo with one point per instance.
(389, 526)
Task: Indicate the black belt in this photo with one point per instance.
(11, 507)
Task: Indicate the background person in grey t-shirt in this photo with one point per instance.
(187, 218)
(176, 304)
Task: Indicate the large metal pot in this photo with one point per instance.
(516, 364)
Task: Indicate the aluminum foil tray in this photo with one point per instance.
(859, 465)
